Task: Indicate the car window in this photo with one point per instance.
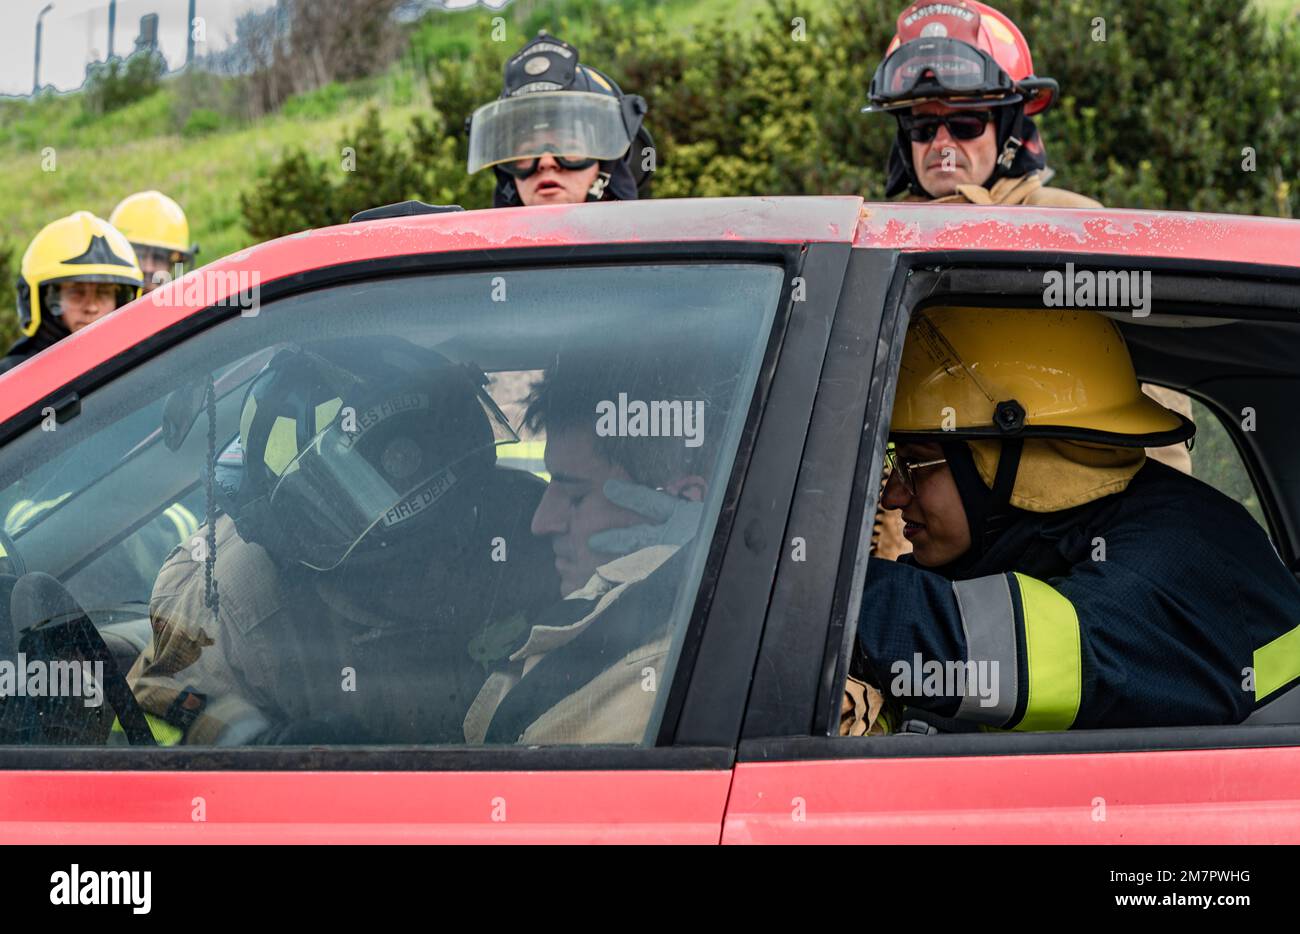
(1216, 460)
(464, 508)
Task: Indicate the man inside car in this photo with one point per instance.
(617, 512)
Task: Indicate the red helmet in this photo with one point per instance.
(962, 52)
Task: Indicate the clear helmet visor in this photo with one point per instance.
(574, 124)
(376, 468)
(947, 66)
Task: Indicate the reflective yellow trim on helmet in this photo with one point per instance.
(1054, 656)
(326, 411)
(281, 444)
(1277, 663)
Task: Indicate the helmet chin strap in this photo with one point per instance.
(1008, 156)
(597, 189)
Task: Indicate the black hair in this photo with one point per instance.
(571, 393)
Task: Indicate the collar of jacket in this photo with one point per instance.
(1003, 191)
(606, 585)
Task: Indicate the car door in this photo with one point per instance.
(1224, 332)
(760, 315)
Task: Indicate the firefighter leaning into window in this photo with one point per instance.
(159, 233)
(76, 270)
(1078, 583)
(560, 133)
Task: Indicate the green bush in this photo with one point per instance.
(8, 278)
(1165, 110)
(113, 84)
(201, 122)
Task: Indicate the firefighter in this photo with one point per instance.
(353, 565)
(561, 132)
(76, 270)
(1070, 581)
(959, 79)
(967, 137)
(159, 232)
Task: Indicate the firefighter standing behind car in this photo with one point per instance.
(959, 79)
(560, 133)
(159, 233)
(76, 270)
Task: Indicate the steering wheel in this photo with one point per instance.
(55, 624)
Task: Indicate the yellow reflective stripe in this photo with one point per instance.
(1277, 663)
(1054, 657)
(525, 455)
(523, 450)
(15, 510)
(164, 733)
(25, 510)
(186, 516)
(183, 519)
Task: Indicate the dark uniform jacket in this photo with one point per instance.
(1162, 605)
(26, 347)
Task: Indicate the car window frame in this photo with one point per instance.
(698, 730)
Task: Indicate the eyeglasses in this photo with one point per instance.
(906, 468)
(523, 168)
(967, 125)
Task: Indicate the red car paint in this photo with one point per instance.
(1232, 795)
(1191, 796)
(362, 807)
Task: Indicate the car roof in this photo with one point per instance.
(907, 226)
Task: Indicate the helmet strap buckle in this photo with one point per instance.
(1009, 152)
(597, 189)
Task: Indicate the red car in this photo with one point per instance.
(116, 439)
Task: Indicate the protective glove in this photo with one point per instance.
(675, 520)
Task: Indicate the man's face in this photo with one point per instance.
(84, 302)
(156, 266)
(934, 517)
(944, 162)
(575, 507)
(554, 184)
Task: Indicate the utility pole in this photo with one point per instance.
(36, 77)
(189, 37)
(112, 26)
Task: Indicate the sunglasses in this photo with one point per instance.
(906, 468)
(523, 168)
(964, 126)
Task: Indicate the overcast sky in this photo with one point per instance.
(76, 32)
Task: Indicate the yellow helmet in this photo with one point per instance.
(151, 219)
(78, 248)
(970, 373)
